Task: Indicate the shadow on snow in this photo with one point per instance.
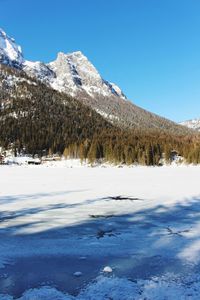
(145, 243)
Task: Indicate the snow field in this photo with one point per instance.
(142, 223)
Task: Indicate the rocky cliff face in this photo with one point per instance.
(75, 73)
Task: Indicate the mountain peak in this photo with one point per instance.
(2, 32)
(10, 52)
(75, 73)
(75, 53)
(75, 57)
(71, 73)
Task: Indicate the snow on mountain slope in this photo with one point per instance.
(10, 52)
(39, 70)
(193, 124)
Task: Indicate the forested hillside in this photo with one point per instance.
(37, 119)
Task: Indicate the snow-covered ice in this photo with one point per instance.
(142, 222)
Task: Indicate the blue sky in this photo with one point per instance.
(150, 48)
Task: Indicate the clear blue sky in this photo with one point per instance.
(150, 48)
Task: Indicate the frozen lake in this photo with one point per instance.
(60, 227)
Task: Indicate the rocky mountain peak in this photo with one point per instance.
(10, 52)
(75, 73)
(71, 73)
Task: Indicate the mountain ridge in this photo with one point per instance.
(63, 74)
(38, 119)
(74, 75)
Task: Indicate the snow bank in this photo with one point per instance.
(123, 289)
(21, 160)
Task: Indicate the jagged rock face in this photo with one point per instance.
(67, 77)
(10, 52)
(75, 73)
(192, 124)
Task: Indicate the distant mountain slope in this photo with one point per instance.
(74, 75)
(192, 124)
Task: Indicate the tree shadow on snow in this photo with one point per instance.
(141, 244)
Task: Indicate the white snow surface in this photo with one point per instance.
(121, 289)
(142, 222)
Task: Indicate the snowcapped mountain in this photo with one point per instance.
(10, 52)
(71, 73)
(192, 124)
(74, 75)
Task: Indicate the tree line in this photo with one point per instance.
(38, 120)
